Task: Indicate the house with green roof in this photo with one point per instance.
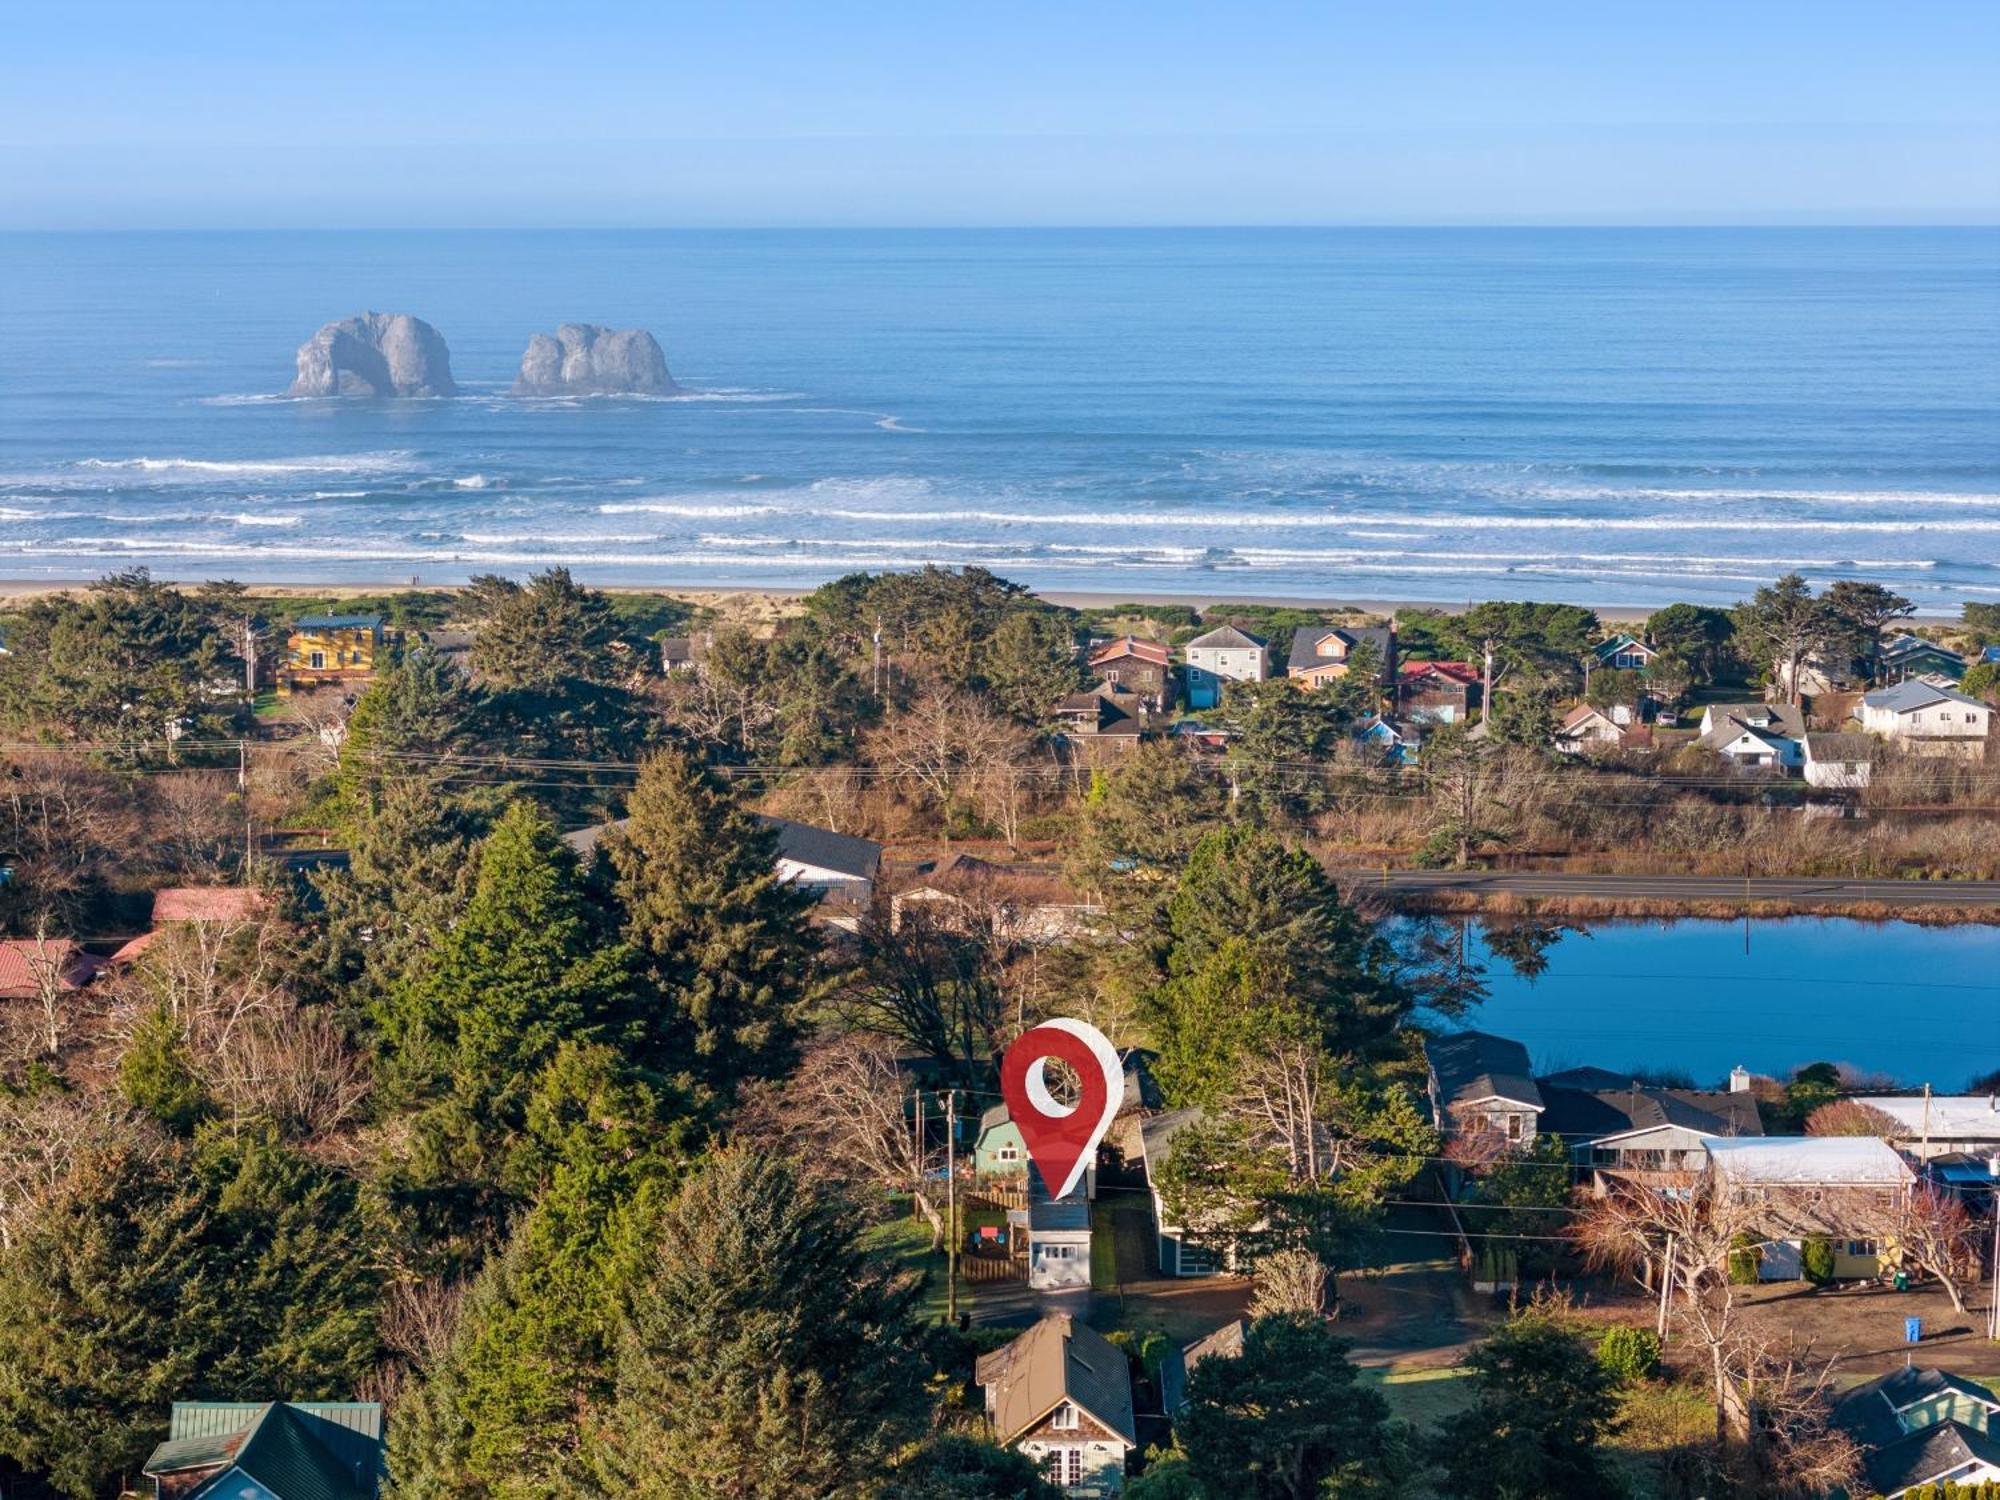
(269, 1450)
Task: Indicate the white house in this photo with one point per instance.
(1177, 1255)
(1755, 736)
(1917, 710)
(1585, 728)
(1061, 1393)
(1225, 654)
(1058, 1237)
(1939, 1124)
(1843, 762)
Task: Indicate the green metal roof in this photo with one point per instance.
(296, 1452)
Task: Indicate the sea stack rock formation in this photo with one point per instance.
(376, 354)
(584, 359)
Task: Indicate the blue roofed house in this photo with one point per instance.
(269, 1450)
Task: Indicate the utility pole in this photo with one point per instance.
(951, 1206)
(1927, 1122)
(878, 661)
(1993, 1202)
(243, 789)
(917, 1189)
(1666, 1287)
(1486, 682)
(250, 658)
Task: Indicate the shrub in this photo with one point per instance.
(1816, 1259)
(1631, 1354)
(1744, 1258)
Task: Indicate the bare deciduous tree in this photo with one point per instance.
(1290, 1281)
(845, 1113)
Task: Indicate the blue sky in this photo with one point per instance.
(210, 113)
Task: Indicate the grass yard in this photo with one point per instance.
(907, 1239)
(1422, 1395)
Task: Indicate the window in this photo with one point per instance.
(1860, 1247)
(316, 660)
(1008, 1153)
(1513, 1127)
(1065, 1418)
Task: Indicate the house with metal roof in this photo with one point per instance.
(1931, 1125)
(1927, 714)
(269, 1450)
(1793, 1175)
(1177, 1253)
(1755, 736)
(1921, 1426)
(29, 967)
(1482, 1082)
(1061, 1393)
(1907, 656)
(1219, 656)
(834, 864)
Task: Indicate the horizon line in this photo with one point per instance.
(1369, 226)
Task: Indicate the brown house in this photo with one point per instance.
(1443, 691)
(1320, 653)
(1061, 1393)
(29, 964)
(1101, 727)
(1145, 667)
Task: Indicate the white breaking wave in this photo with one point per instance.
(693, 512)
(355, 463)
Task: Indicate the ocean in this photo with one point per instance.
(1616, 417)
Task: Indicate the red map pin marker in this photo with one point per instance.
(1062, 1138)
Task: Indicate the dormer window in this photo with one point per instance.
(1065, 1418)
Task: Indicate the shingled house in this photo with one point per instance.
(1922, 1426)
(1145, 667)
(1481, 1082)
(269, 1450)
(1062, 1394)
(1321, 653)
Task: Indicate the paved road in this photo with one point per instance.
(1690, 888)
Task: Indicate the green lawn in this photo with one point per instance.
(907, 1239)
(1422, 1396)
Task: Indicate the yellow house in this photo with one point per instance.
(331, 648)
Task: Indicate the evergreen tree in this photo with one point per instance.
(1256, 928)
(766, 1353)
(415, 714)
(1288, 1419)
(954, 1467)
(727, 947)
(158, 1077)
(1031, 662)
(1537, 1427)
(465, 1031)
(529, 1367)
(146, 1277)
(551, 633)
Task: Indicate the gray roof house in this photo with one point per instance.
(1840, 761)
(1225, 1342)
(1177, 1255)
(1319, 652)
(1921, 1426)
(1640, 1128)
(807, 854)
(1222, 655)
(1922, 711)
(1479, 1081)
(1756, 735)
(1058, 1236)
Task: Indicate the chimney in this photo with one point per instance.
(1739, 1079)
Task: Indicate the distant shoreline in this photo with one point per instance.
(15, 589)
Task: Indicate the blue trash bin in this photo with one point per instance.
(1913, 1330)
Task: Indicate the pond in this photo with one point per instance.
(1918, 1004)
